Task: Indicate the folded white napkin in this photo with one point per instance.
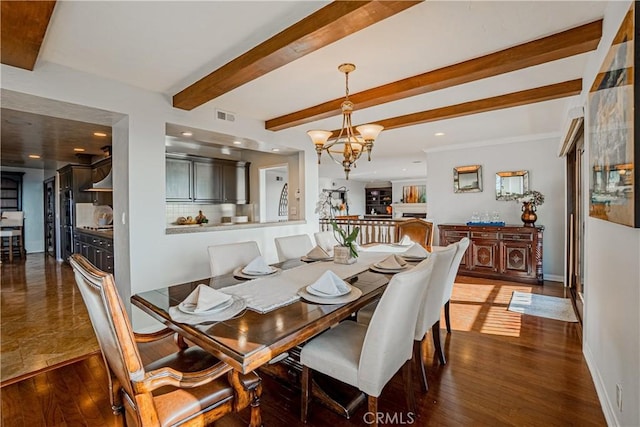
(257, 266)
(317, 253)
(416, 251)
(204, 298)
(406, 240)
(392, 262)
(330, 284)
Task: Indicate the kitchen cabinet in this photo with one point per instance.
(49, 203)
(207, 182)
(97, 249)
(508, 252)
(203, 180)
(178, 180)
(11, 191)
(73, 179)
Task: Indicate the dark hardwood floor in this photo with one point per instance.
(503, 369)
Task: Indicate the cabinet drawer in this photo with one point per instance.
(525, 237)
(484, 235)
(456, 234)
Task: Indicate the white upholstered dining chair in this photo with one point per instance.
(293, 247)
(326, 240)
(462, 246)
(429, 315)
(226, 258)
(368, 356)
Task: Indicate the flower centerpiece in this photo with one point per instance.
(530, 201)
(346, 252)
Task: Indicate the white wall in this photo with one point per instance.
(141, 244)
(33, 207)
(612, 282)
(546, 174)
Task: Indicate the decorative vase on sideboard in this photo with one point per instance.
(529, 215)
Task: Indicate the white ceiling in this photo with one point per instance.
(165, 46)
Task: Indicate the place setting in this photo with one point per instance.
(206, 304)
(404, 242)
(316, 254)
(258, 267)
(391, 264)
(415, 253)
(329, 289)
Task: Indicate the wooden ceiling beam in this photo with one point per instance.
(329, 24)
(24, 25)
(515, 99)
(557, 46)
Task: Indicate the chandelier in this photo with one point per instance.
(347, 148)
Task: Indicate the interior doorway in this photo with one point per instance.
(274, 193)
(576, 219)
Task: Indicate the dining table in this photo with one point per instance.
(277, 319)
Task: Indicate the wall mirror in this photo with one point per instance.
(467, 179)
(511, 184)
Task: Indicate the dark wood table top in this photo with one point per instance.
(250, 340)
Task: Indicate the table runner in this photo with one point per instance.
(268, 293)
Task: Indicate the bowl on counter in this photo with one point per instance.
(239, 219)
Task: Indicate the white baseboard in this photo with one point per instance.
(554, 278)
(603, 397)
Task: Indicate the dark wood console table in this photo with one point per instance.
(511, 252)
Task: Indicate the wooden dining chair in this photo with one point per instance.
(293, 247)
(226, 258)
(190, 387)
(419, 230)
(461, 248)
(368, 356)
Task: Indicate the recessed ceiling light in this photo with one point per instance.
(186, 133)
(275, 149)
(34, 156)
(237, 142)
(79, 150)
(439, 134)
(99, 134)
(404, 169)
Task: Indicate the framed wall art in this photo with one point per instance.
(613, 151)
(414, 193)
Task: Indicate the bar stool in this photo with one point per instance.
(14, 241)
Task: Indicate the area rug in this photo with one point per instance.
(543, 306)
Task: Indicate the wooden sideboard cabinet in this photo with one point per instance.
(508, 252)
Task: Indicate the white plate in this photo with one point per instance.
(239, 273)
(189, 308)
(412, 258)
(323, 295)
(307, 259)
(351, 296)
(386, 270)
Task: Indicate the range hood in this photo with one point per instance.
(106, 184)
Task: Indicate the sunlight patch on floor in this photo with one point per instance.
(483, 308)
(499, 321)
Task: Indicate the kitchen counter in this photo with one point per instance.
(203, 228)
